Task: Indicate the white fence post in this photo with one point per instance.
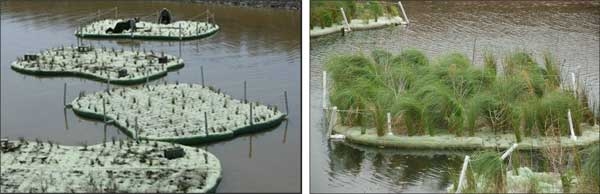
(324, 89)
(332, 121)
(389, 124)
(573, 136)
(346, 24)
(403, 13)
(463, 172)
(510, 150)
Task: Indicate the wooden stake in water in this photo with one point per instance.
(180, 48)
(286, 102)
(104, 110)
(136, 128)
(180, 38)
(65, 95)
(205, 155)
(245, 99)
(324, 89)
(250, 148)
(573, 136)
(473, 56)
(66, 121)
(108, 85)
(285, 132)
(251, 122)
(206, 124)
(202, 74)
(463, 172)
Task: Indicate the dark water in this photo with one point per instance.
(261, 46)
(570, 30)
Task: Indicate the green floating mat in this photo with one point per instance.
(179, 30)
(100, 64)
(177, 112)
(140, 167)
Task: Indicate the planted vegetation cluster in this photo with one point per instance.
(175, 30)
(118, 66)
(488, 173)
(185, 113)
(327, 13)
(117, 166)
(451, 96)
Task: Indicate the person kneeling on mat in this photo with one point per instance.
(125, 25)
(164, 17)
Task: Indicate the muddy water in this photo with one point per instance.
(260, 46)
(570, 30)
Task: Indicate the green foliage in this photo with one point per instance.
(552, 113)
(381, 57)
(552, 71)
(450, 95)
(489, 63)
(411, 58)
(591, 168)
(374, 9)
(488, 167)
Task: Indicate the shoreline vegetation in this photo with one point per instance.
(120, 166)
(326, 17)
(280, 4)
(450, 103)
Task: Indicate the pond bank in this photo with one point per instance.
(284, 4)
(590, 135)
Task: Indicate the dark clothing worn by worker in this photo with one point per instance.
(165, 17)
(122, 26)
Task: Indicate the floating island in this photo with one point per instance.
(182, 113)
(179, 30)
(101, 64)
(117, 166)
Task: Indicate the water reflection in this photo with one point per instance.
(394, 168)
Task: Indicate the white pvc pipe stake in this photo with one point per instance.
(324, 89)
(574, 85)
(573, 136)
(463, 173)
(403, 13)
(389, 124)
(332, 121)
(510, 150)
(346, 24)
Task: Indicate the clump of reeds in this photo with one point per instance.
(590, 179)
(489, 169)
(450, 95)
